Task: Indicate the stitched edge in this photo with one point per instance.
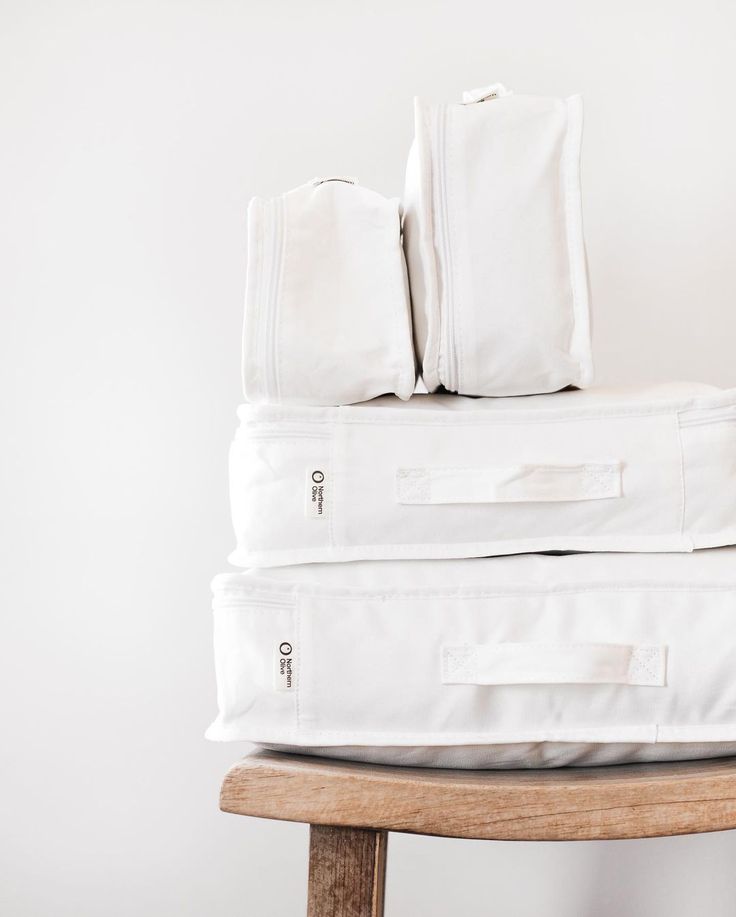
(580, 337)
(666, 542)
(244, 596)
(681, 447)
(263, 415)
(427, 245)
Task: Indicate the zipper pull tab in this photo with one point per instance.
(494, 91)
(347, 179)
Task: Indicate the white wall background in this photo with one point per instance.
(131, 137)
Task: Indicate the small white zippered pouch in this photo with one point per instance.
(523, 661)
(447, 476)
(494, 244)
(327, 317)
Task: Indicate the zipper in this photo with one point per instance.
(707, 417)
(273, 243)
(348, 179)
(449, 361)
(281, 431)
(247, 598)
(448, 351)
(494, 91)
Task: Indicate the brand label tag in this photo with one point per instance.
(316, 503)
(284, 667)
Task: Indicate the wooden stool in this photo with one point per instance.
(351, 807)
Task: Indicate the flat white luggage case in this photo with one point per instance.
(493, 235)
(523, 661)
(445, 476)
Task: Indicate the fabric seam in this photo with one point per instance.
(580, 337)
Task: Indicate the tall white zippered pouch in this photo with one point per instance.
(444, 476)
(523, 661)
(493, 235)
(327, 316)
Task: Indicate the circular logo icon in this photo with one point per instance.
(317, 477)
(285, 649)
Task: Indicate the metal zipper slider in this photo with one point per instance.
(485, 93)
(320, 181)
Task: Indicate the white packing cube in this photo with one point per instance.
(327, 316)
(446, 476)
(493, 235)
(526, 661)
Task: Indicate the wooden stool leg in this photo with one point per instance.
(347, 872)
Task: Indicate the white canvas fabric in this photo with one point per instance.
(327, 318)
(445, 476)
(493, 235)
(524, 661)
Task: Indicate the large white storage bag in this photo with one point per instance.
(327, 317)
(444, 476)
(493, 235)
(522, 661)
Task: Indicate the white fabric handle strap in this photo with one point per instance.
(554, 664)
(510, 483)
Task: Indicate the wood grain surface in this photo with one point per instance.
(347, 872)
(640, 800)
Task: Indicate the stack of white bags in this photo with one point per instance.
(392, 609)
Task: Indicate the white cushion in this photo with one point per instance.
(445, 476)
(494, 242)
(327, 317)
(510, 661)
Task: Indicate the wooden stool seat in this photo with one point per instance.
(352, 806)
